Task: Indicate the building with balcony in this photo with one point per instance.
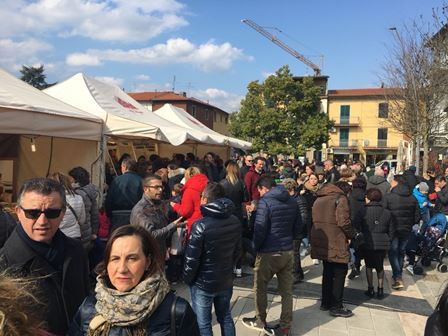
(211, 116)
(361, 131)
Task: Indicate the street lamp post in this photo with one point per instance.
(415, 100)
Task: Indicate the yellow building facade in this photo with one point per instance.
(361, 131)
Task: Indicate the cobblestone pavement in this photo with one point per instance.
(400, 313)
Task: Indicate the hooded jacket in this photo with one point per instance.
(404, 209)
(213, 247)
(421, 198)
(331, 228)
(380, 183)
(89, 194)
(277, 221)
(190, 204)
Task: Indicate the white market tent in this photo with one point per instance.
(182, 118)
(37, 131)
(122, 115)
(27, 110)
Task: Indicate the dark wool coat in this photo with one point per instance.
(377, 227)
(442, 201)
(331, 228)
(124, 192)
(380, 183)
(357, 207)
(61, 294)
(404, 210)
(213, 247)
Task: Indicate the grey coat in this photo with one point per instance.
(89, 194)
(154, 218)
(380, 183)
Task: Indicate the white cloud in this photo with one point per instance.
(107, 20)
(208, 57)
(15, 53)
(142, 77)
(110, 80)
(226, 101)
(77, 59)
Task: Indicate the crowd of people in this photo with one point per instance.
(109, 269)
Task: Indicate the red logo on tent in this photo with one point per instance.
(127, 105)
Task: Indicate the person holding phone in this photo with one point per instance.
(152, 213)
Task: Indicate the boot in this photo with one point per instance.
(370, 292)
(380, 293)
(354, 273)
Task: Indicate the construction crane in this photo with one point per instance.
(283, 45)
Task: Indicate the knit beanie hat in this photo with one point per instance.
(423, 187)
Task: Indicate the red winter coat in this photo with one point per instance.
(190, 204)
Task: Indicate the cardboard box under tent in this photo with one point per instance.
(35, 127)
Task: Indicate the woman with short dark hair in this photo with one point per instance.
(377, 229)
(133, 296)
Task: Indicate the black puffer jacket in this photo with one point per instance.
(357, 207)
(377, 227)
(305, 215)
(404, 210)
(158, 324)
(277, 221)
(213, 247)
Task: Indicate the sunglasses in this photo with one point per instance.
(35, 213)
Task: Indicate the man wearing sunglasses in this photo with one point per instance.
(39, 250)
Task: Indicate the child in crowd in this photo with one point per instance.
(420, 193)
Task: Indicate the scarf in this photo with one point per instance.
(311, 188)
(53, 253)
(127, 309)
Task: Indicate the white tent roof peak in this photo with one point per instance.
(27, 110)
(184, 119)
(122, 115)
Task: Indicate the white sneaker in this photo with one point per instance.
(410, 269)
(316, 261)
(238, 272)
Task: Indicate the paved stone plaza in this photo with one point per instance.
(400, 313)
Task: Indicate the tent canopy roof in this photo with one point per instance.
(184, 119)
(122, 115)
(27, 110)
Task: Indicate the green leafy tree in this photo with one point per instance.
(282, 115)
(34, 76)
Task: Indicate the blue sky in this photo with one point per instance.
(143, 44)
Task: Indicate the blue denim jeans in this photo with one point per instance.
(202, 302)
(396, 256)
